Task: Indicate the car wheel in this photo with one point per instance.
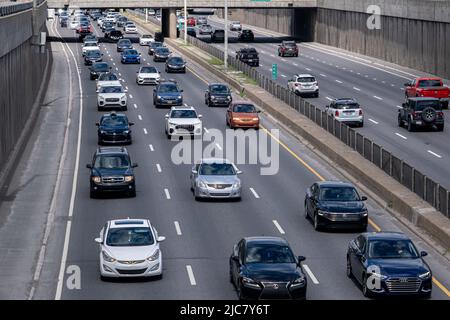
(410, 126)
(239, 292)
(231, 277)
(103, 278)
(399, 121)
(361, 124)
(317, 94)
(124, 108)
(349, 268)
(366, 292)
(306, 212)
(99, 108)
(92, 194)
(316, 222)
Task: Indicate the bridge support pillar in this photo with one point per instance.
(169, 22)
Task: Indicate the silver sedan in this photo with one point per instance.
(215, 178)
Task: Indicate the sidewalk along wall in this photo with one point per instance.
(418, 44)
(22, 73)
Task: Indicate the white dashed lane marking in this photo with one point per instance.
(277, 225)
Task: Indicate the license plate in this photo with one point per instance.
(250, 60)
(418, 122)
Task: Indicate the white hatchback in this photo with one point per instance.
(129, 248)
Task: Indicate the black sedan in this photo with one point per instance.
(218, 94)
(388, 264)
(98, 68)
(153, 45)
(266, 268)
(124, 44)
(161, 54)
(92, 56)
(246, 35)
(114, 128)
(335, 204)
(175, 64)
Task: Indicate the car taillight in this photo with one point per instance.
(440, 114)
(360, 112)
(415, 115)
(336, 113)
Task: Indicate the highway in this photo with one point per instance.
(200, 235)
(377, 87)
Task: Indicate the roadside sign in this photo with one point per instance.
(274, 71)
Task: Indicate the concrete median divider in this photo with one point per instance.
(396, 198)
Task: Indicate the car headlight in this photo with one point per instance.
(364, 213)
(255, 119)
(158, 97)
(425, 275)
(123, 97)
(250, 283)
(321, 212)
(201, 184)
(154, 256)
(102, 132)
(172, 123)
(236, 185)
(228, 97)
(129, 178)
(179, 97)
(101, 98)
(299, 281)
(126, 131)
(96, 179)
(107, 257)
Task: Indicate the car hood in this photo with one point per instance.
(90, 48)
(220, 94)
(400, 267)
(162, 54)
(125, 46)
(150, 75)
(111, 95)
(341, 206)
(114, 128)
(168, 94)
(219, 179)
(112, 172)
(130, 55)
(176, 64)
(185, 120)
(273, 271)
(107, 82)
(131, 253)
(244, 115)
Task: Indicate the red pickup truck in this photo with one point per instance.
(428, 87)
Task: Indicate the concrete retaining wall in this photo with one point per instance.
(22, 74)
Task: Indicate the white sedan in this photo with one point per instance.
(90, 46)
(146, 39)
(148, 75)
(129, 248)
(130, 28)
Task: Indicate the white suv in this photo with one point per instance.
(90, 46)
(346, 110)
(304, 84)
(148, 75)
(111, 96)
(130, 248)
(183, 121)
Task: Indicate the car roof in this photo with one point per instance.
(335, 184)
(242, 102)
(182, 108)
(124, 223)
(345, 100)
(386, 235)
(214, 160)
(111, 150)
(305, 75)
(111, 114)
(265, 240)
(423, 99)
(217, 84)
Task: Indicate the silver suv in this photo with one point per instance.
(346, 110)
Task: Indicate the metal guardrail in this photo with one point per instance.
(411, 178)
(10, 8)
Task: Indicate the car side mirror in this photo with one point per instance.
(423, 253)
(137, 71)
(327, 107)
(97, 124)
(97, 91)
(166, 116)
(125, 90)
(131, 123)
(235, 258)
(258, 111)
(403, 105)
(134, 165)
(181, 90)
(407, 84)
(200, 116)
(194, 171)
(161, 238)
(98, 240)
(239, 172)
(301, 258)
(89, 166)
(363, 198)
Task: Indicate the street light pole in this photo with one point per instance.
(146, 15)
(225, 56)
(185, 21)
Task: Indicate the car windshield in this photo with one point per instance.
(176, 60)
(338, 194)
(219, 88)
(131, 52)
(94, 54)
(244, 108)
(90, 44)
(156, 44)
(164, 88)
(217, 169)
(112, 161)
(101, 67)
(146, 36)
(149, 70)
(429, 83)
(392, 249)
(114, 121)
(349, 105)
(306, 79)
(268, 253)
(108, 77)
(124, 42)
(129, 237)
(162, 50)
(421, 105)
(111, 89)
(183, 114)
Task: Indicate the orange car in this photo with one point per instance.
(242, 114)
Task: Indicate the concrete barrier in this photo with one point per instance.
(398, 199)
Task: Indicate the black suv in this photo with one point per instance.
(112, 171)
(114, 128)
(246, 35)
(113, 35)
(421, 112)
(218, 35)
(98, 68)
(175, 64)
(248, 56)
(218, 94)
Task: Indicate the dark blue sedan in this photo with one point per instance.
(388, 264)
(130, 56)
(167, 93)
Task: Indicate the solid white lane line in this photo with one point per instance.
(158, 167)
(338, 81)
(254, 193)
(401, 136)
(139, 117)
(376, 97)
(328, 98)
(177, 227)
(357, 89)
(434, 154)
(166, 191)
(191, 275)
(145, 131)
(218, 146)
(371, 120)
(310, 274)
(135, 105)
(280, 229)
(151, 147)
